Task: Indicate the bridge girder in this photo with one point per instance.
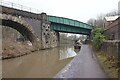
(69, 29)
(69, 25)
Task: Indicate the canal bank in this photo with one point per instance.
(84, 65)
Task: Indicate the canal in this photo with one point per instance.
(40, 64)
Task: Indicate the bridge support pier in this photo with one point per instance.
(58, 38)
(50, 38)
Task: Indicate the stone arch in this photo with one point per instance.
(21, 26)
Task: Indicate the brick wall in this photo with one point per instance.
(113, 30)
(107, 23)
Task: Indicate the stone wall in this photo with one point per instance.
(112, 48)
(53, 39)
(38, 23)
(48, 37)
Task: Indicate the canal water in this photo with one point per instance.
(41, 64)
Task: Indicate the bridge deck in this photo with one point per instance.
(70, 22)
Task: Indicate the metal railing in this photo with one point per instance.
(18, 6)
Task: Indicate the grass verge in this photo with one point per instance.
(107, 65)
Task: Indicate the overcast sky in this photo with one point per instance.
(81, 10)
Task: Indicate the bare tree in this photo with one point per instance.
(96, 22)
(112, 13)
(91, 22)
(100, 19)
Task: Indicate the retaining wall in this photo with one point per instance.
(112, 48)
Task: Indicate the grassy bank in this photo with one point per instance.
(15, 49)
(108, 65)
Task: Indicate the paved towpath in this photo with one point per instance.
(84, 65)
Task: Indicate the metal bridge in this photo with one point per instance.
(62, 24)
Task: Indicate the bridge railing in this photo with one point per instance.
(18, 6)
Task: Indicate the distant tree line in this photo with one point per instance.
(99, 21)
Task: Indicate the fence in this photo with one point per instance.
(111, 48)
(18, 6)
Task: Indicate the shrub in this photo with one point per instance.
(98, 37)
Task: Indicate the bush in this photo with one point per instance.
(98, 37)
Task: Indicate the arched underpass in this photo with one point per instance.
(24, 31)
(22, 27)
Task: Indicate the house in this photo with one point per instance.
(112, 27)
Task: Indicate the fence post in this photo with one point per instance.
(119, 58)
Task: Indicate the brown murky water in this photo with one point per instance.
(41, 64)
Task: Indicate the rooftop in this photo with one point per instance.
(111, 18)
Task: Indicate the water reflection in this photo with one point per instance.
(42, 64)
(67, 53)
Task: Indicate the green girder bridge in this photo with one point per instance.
(66, 25)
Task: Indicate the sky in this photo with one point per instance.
(81, 10)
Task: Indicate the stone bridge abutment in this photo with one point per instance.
(34, 27)
(22, 27)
